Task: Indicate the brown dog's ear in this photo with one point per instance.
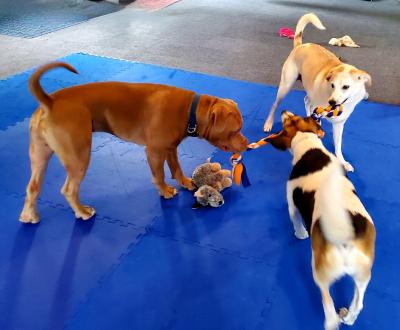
(219, 118)
(364, 76)
(280, 141)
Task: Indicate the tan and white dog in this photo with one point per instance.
(342, 232)
(326, 80)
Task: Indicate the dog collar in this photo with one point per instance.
(192, 125)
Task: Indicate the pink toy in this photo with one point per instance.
(286, 32)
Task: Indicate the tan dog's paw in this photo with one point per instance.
(29, 217)
(187, 183)
(268, 125)
(348, 167)
(168, 192)
(85, 213)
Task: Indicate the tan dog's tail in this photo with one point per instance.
(36, 89)
(302, 23)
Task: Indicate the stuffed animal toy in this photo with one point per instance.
(208, 196)
(212, 175)
(210, 179)
(344, 41)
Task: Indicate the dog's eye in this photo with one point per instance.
(333, 86)
(209, 195)
(346, 87)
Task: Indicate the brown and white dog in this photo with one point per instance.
(326, 80)
(342, 232)
(153, 115)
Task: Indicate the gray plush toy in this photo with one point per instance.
(208, 196)
(210, 179)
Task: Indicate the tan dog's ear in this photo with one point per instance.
(280, 141)
(329, 76)
(362, 75)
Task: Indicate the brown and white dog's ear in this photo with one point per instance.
(280, 141)
(364, 76)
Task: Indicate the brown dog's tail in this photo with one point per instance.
(36, 89)
(302, 23)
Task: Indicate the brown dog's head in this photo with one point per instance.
(346, 81)
(223, 126)
(291, 125)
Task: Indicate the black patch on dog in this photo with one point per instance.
(304, 202)
(359, 224)
(354, 192)
(312, 161)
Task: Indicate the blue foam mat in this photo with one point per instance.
(147, 263)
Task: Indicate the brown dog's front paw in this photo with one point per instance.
(187, 183)
(85, 213)
(168, 192)
(29, 216)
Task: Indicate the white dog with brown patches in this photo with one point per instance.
(342, 232)
(326, 80)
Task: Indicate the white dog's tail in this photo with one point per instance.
(302, 23)
(335, 220)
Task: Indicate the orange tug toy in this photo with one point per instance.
(239, 173)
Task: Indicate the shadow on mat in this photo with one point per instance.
(19, 256)
(61, 300)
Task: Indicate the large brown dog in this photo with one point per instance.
(148, 114)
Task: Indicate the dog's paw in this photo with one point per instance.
(187, 183)
(301, 234)
(29, 216)
(332, 324)
(268, 125)
(168, 192)
(348, 167)
(85, 213)
(346, 317)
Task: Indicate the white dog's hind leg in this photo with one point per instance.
(288, 78)
(332, 319)
(299, 231)
(337, 138)
(349, 316)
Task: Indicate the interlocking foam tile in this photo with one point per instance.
(148, 263)
(169, 284)
(47, 269)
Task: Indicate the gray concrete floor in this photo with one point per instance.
(234, 38)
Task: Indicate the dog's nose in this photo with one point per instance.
(220, 203)
(332, 102)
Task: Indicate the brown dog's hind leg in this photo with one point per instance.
(76, 167)
(70, 136)
(176, 170)
(156, 158)
(39, 154)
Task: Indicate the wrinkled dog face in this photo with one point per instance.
(345, 82)
(291, 125)
(207, 195)
(226, 123)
